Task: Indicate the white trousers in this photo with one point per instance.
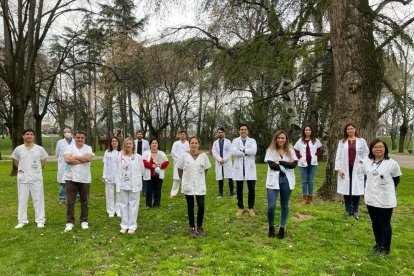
(112, 199)
(35, 190)
(129, 204)
(175, 187)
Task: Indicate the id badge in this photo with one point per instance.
(127, 177)
(35, 165)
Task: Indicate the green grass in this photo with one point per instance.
(320, 241)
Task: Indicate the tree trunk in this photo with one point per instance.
(403, 133)
(358, 74)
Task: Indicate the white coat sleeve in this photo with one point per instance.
(338, 157)
(216, 151)
(236, 151)
(252, 149)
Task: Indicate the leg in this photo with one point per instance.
(251, 196)
(220, 185)
(38, 199)
(84, 198)
(355, 203)
(23, 191)
(62, 192)
(190, 210)
(71, 190)
(117, 207)
(385, 215)
(240, 194)
(374, 215)
(304, 180)
(157, 191)
(231, 187)
(271, 206)
(110, 198)
(285, 193)
(311, 178)
(133, 209)
(123, 204)
(348, 204)
(200, 210)
(149, 192)
(175, 187)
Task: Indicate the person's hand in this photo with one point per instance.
(222, 161)
(341, 174)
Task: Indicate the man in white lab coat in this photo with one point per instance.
(140, 146)
(29, 159)
(178, 148)
(222, 153)
(61, 147)
(244, 168)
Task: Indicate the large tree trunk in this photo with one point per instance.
(358, 73)
(403, 133)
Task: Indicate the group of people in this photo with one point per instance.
(139, 166)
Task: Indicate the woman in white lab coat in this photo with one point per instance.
(108, 175)
(129, 172)
(192, 168)
(350, 152)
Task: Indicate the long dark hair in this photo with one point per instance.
(119, 144)
(345, 137)
(312, 136)
(371, 147)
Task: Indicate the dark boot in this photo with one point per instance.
(281, 234)
(310, 199)
(305, 200)
(271, 232)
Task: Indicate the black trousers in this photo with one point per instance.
(251, 196)
(153, 192)
(381, 225)
(221, 186)
(190, 209)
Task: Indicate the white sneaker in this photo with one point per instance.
(111, 215)
(69, 227)
(123, 231)
(20, 225)
(84, 225)
(40, 225)
(131, 231)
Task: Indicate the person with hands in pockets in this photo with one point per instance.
(308, 148)
(280, 179)
(128, 180)
(29, 159)
(350, 152)
(244, 168)
(383, 175)
(222, 153)
(192, 168)
(108, 175)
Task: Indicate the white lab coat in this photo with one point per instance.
(145, 145)
(109, 165)
(227, 167)
(161, 158)
(380, 188)
(136, 174)
(313, 147)
(272, 179)
(177, 150)
(61, 147)
(194, 177)
(341, 163)
(247, 157)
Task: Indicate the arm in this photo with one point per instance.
(84, 158)
(215, 152)
(289, 165)
(70, 160)
(180, 173)
(43, 162)
(319, 152)
(148, 164)
(396, 180)
(274, 166)
(16, 163)
(298, 154)
(164, 164)
(338, 160)
(174, 153)
(236, 151)
(252, 149)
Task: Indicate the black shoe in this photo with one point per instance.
(374, 248)
(281, 234)
(193, 232)
(200, 231)
(381, 251)
(271, 232)
(220, 196)
(232, 194)
(356, 215)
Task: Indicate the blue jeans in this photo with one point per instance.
(62, 191)
(307, 175)
(285, 193)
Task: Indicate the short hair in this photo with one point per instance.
(80, 132)
(221, 129)
(67, 127)
(243, 125)
(183, 131)
(29, 130)
(195, 137)
(371, 146)
(119, 144)
(139, 131)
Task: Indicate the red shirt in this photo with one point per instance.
(351, 152)
(148, 165)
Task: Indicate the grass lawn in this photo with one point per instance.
(320, 240)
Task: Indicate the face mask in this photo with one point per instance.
(68, 135)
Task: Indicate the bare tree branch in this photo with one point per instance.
(386, 2)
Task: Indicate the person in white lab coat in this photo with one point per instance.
(108, 175)
(128, 180)
(222, 153)
(244, 168)
(178, 148)
(308, 148)
(383, 175)
(141, 146)
(192, 168)
(350, 152)
(61, 147)
(78, 179)
(29, 159)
